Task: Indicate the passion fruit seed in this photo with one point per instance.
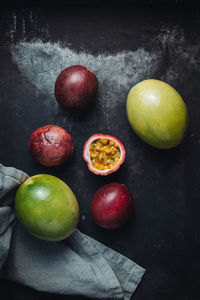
(104, 153)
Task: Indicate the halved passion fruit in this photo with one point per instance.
(104, 154)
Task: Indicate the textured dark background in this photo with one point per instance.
(164, 233)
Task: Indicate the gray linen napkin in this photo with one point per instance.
(77, 266)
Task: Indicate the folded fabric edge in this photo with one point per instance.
(135, 273)
(14, 173)
(133, 281)
(107, 273)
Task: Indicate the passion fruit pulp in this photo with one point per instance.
(104, 154)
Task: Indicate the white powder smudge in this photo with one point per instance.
(42, 62)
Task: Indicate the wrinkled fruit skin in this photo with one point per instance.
(51, 145)
(157, 113)
(47, 208)
(76, 87)
(86, 154)
(112, 205)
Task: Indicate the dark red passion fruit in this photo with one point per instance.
(51, 145)
(76, 87)
(112, 205)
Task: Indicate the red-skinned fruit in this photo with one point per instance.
(51, 145)
(112, 205)
(76, 87)
(104, 154)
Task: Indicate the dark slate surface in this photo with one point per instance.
(123, 45)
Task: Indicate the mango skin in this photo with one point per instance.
(157, 113)
(47, 208)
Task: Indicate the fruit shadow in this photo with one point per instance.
(82, 114)
(160, 156)
(118, 233)
(97, 181)
(15, 290)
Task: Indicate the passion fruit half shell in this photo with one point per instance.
(104, 154)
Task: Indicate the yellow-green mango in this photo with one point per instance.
(157, 113)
